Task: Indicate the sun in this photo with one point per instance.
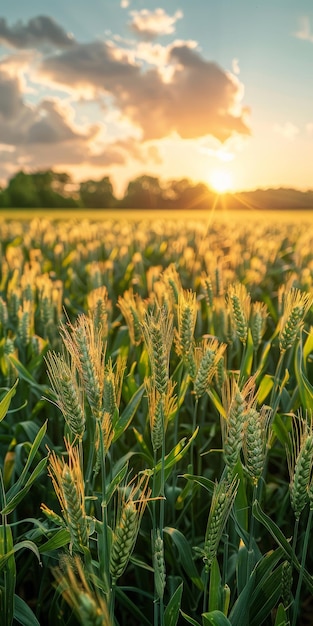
(221, 180)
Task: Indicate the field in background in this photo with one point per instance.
(156, 442)
(150, 215)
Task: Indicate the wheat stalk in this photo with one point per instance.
(221, 505)
(90, 608)
(158, 564)
(207, 357)
(85, 345)
(257, 322)
(236, 402)
(100, 307)
(255, 440)
(184, 335)
(133, 310)
(300, 459)
(158, 335)
(161, 406)
(127, 527)
(68, 482)
(208, 291)
(112, 388)
(240, 302)
(295, 307)
(69, 397)
(286, 583)
(172, 281)
(25, 327)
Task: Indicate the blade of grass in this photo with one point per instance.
(6, 401)
(7, 560)
(171, 612)
(185, 555)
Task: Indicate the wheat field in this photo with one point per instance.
(156, 441)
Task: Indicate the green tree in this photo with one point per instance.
(4, 198)
(22, 191)
(183, 194)
(97, 194)
(145, 192)
(55, 189)
(46, 189)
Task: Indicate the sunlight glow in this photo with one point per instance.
(221, 181)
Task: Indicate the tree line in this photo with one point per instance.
(49, 189)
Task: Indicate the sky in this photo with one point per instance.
(215, 91)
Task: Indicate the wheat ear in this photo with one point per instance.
(89, 607)
(300, 464)
(158, 335)
(69, 398)
(68, 483)
(221, 505)
(257, 322)
(295, 306)
(85, 345)
(161, 406)
(127, 527)
(240, 302)
(255, 440)
(207, 357)
(133, 310)
(159, 564)
(184, 335)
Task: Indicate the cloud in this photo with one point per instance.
(151, 24)
(288, 130)
(146, 93)
(124, 4)
(72, 155)
(50, 125)
(199, 98)
(235, 66)
(23, 124)
(45, 136)
(119, 151)
(304, 31)
(11, 103)
(37, 31)
(309, 128)
(95, 65)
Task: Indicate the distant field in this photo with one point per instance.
(133, 214)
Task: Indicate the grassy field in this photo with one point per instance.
(156, 440)
(215, 215)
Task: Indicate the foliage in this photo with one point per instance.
(49, 189)
(97, 194)
(40, 189)
(155, 422)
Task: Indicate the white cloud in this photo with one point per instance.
(224, 152)
(197, 99)
(138, 94)
(288, 130)
(235, 66)
(151, 24)
(304, 31)
(21, 123)
(124, 4)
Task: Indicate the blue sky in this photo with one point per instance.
(215, 91)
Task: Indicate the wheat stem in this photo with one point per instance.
(302, 565)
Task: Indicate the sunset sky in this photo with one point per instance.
(217, 91)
